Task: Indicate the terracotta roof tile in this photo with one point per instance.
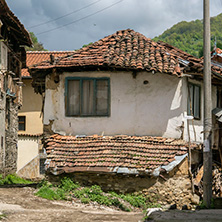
(130, 50)
(125, 49)
(145, 153)
(36, 57)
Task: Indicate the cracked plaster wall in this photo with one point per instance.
(156, 109)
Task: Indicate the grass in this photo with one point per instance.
(2, 216)
(13, 179)
(68, 190)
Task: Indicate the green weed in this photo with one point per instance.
(67, 184)
(68, 189)
(48, 193)
(3, 216)
(13, 179)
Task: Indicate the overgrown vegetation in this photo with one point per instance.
(188, 36)
(13, 179)
(87, 44)
(68, 190)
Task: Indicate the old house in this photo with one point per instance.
(123, 84)
(31, 157)
(14, 37)
(216, 60)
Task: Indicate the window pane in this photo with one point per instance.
(73, 106)
(87, 97)
(21, 123)
(190, 100)
(196, 106)
(102, 97)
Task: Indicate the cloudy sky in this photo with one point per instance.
(69, 24)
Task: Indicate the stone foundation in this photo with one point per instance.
(176, 190)
(31, 170)
(109, 182)
(168, 188)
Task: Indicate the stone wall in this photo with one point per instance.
(31, 170)
(175, 190)
(11, 138)
(110, 182)
(2, 131)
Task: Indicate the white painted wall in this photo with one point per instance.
(28, 148)
(155, 109)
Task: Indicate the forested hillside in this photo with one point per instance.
(188, 36)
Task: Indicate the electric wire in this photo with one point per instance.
(63, 16)
(50, 30)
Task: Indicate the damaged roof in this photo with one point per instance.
(124, 50)
(36, 57)
(112, 154)
(129, 50)
(14, 25)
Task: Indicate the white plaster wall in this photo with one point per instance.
(156, 109)
(136, 109)
(28, 148)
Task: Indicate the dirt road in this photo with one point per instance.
(20, 205)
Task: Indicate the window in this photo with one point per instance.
(194, 97)
(219, 98)
(2, 142)
(87, 96)
(21, 122)
(42, 166)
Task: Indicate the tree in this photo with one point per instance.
(37, 46)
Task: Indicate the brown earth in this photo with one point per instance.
(21, 205)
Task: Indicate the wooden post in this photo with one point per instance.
(207, 151)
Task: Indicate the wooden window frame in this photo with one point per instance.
(189, 106)
(81, 79)
(23, 122)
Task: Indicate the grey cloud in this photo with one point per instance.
(150, 17)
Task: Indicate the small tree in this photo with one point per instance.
(37, 46)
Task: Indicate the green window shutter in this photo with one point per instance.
(87, 96)
(194, 101)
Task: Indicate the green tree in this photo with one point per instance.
(188, 36)
(37, 46)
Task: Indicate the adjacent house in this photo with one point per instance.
(13, 38)
(216, 60)
(31, 157)
(123, 110)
